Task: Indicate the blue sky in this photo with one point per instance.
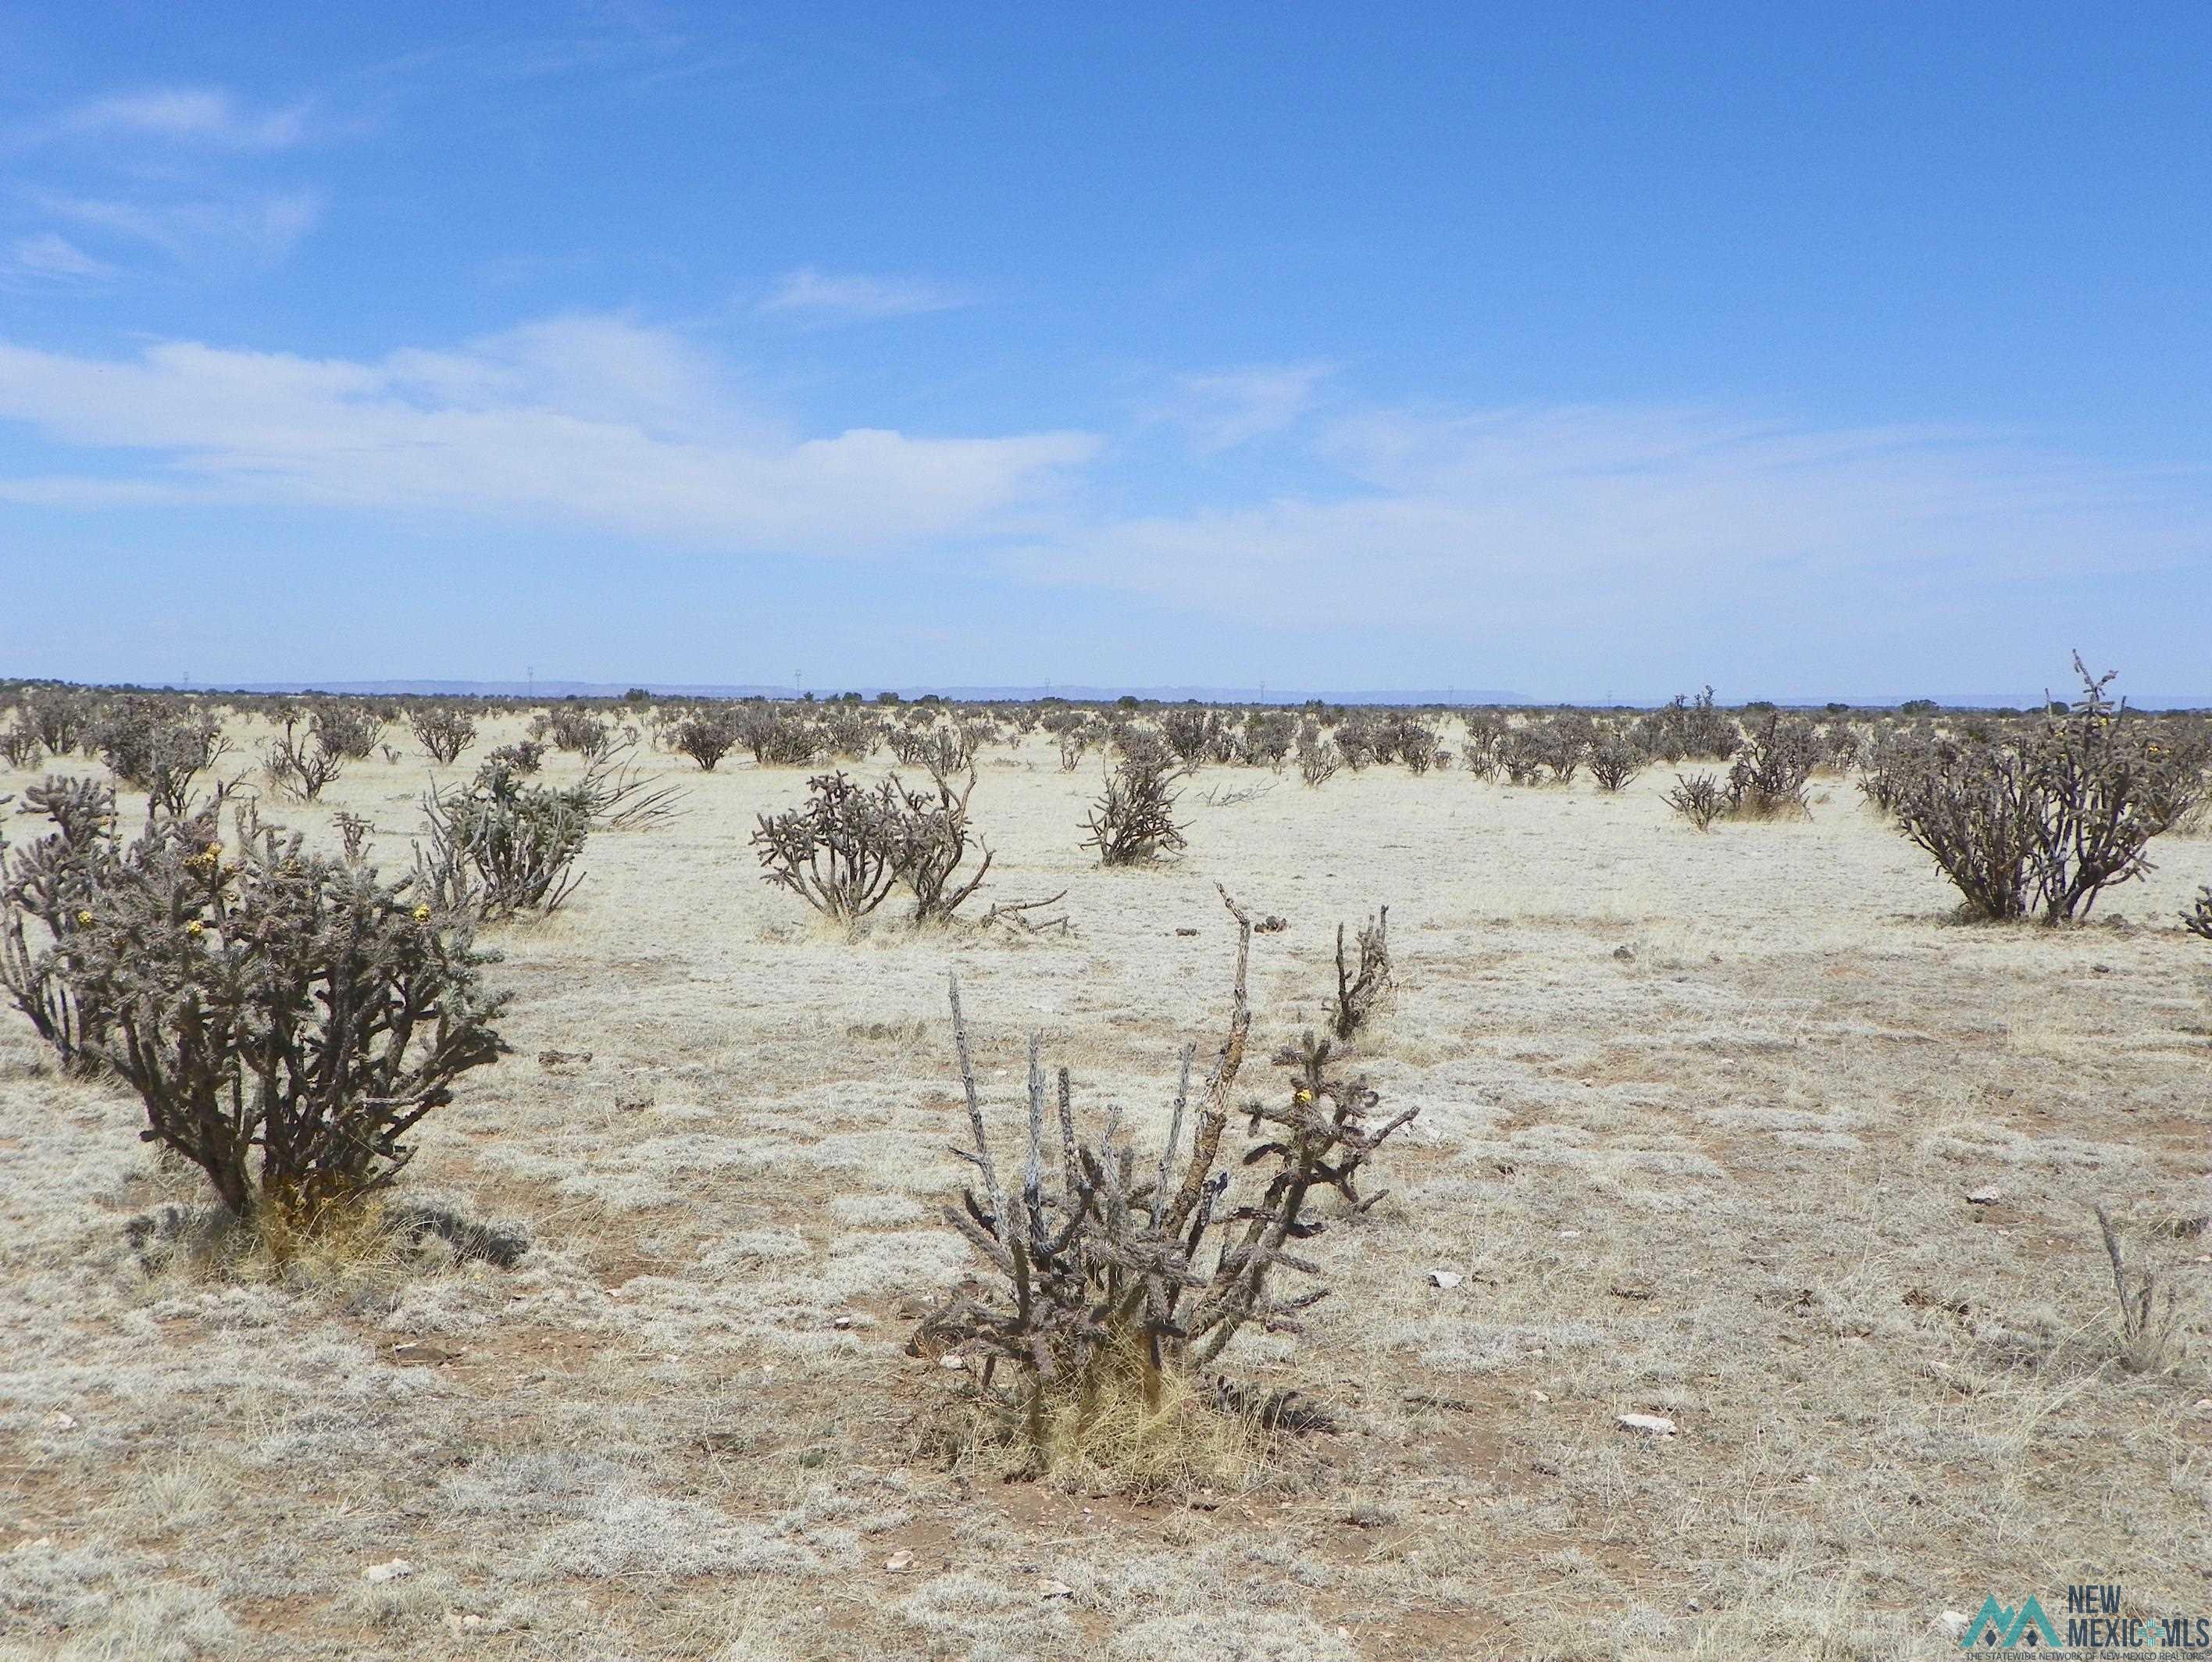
(1576, 348)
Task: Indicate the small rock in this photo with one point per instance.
(59, 1421)
(843, 1321)
(1626, 953)
(1952, 1623)
(1982, 1196)
(397, 1569)
(952, 1359)
(430, 1355)
(633, 1104)
(1570, 1234)
(1692, 1606)
(1539, 1396)
(899, 1562)
(1186, 931)
(1648, 1425)
(1054, 1589)
(2101, 969)
(1444, 1278)
(562, 1059)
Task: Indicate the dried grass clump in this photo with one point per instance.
(285, 1018)
(1361, 991)
(2147, 1326)
(1102, 1312)
(1132, 822)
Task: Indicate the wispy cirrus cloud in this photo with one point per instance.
(260, 225)
(47, 257)
(587, 419)
(1628, 521)
(1230, 408)
(811, 292)
(209, 116)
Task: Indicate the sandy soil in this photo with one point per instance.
(1699, 1117)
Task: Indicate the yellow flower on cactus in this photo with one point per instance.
(84, 919)
(195, 927)
(422, 914)
(1301, 1096)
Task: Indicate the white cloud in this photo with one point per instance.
(807, 290)
(578, 420)
(203, 116)
(1222, 411)
(263, 227)
(1501, 522)
(50, 257)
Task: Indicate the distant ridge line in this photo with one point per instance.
(1449, 696)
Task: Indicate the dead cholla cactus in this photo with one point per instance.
(1361, 991)
(2197, 920)
(1102, 1286)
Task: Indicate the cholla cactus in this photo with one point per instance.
(1102, 1260)
(285, 1018)
(47, 888)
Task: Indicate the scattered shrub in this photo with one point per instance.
(1101, 1309)
(442, 730)
(1318, 757)
(501, 847)
(1688, 730)
(837, 853)
(1768, 777)
(2048, 818)
(1699, 799)
(1615, 762)
(286, 1020)
(301, 768)
(705, 737)
(776, 739)
(48, 889)
(576, 729)
(2197, 920)
(522, 758)
(351, 732)
(61, 717)
(23, 747)
(1361, 992)
(158, 747)
(1133, 822)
